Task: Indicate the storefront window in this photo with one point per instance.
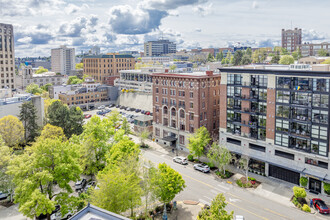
(257, 166)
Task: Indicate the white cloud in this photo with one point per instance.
(203, 10)
(255, 5)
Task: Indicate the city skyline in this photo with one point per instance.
(126, 25)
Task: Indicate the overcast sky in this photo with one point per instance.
(114, 25)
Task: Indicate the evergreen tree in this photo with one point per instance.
(28, 115)
(219, 56)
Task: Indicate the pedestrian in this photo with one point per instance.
(311, 203)
(173, 150)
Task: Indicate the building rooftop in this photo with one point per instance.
(110, 56)
(188, 74)
(144, 118)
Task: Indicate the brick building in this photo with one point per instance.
(103, 68)
(182, 103)
(291, 38)
(279, 119)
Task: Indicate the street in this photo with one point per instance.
(204, 187)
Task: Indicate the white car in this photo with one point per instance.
(101, 107)
(180, 160)
(202, 167)
(239, 217)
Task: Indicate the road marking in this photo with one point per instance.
(234, 200)
(223, 187)
(208, 198)
(216, 192)
(247, 210)
(204, 202)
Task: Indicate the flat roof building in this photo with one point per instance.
(63, 60)
(7, 56)
(291, 38)
(158, 48)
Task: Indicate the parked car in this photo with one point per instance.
(128, 109)
(80, 185)
(122, 107)
(89, 185)
(142, 111)
(147, 113)
(133, 109)
(87, 116)
(180, 160)
(100, 112)
(137, 110)
(111, 105)
(320, 205)
(101, 107)
(44, 216)
(150, 113)
(58, 215)
(117, 106)
(3, 195)
(202, 167)
(239, 217)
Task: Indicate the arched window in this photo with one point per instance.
(182, 114)
(165, 110)
(173, 112)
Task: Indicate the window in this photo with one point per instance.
(282, 139)
(234, 141)
(321, 85)
(319, 132)
(316, 163)
(319, 116)
(181, 139)
(257, 147)
(283, 96)
(284, 154)
(203, 94)
(320, 100)
(191, 95)
(157, 132)
(191, 105)
(165, 121)
(284, 82)
(191, 116)
(234, 79)
(203, 104)
(156, 98)
(282, 111)
(165, 110)
(157, 89)
(182, 114)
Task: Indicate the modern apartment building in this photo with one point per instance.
(182, 103)
(308, 49)
(291, 38)
(7, 56)
(279, 120)
(158, 48)
(103, 67)
(63, 60)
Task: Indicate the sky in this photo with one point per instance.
(114, 25)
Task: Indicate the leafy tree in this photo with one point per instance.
(46, 87)
(148, 188)
(210, 58)
(52, 132)
(246, 59)
(276, 58)
(224, 61)
(126, 126)
(33, 89)
(114, 118)
(299, 192)
(168, 183)
(296, 54)
(237, 57)
(143, 135)
(284, 51)
(74, 80)
(11, 130)
(94, 144)
(219, 156)
(286, 60)
(327, 61)
(79, 66)
(40, 70)
(259, 56)
(28, 115)
(70, 120)
(119, 187)
(46, 165)
(248, 52)
(229, 57)
(198, 141)
(323, 53)
(217, 210)
(219, 56)
(6, 154)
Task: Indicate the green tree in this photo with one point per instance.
(246, 59)
(296, 54)
(219, 56)
(237, 57)
(33, 89)
(40, 70)
(168, 183)
(74, 80)
(126, 126)
(327, 61)
(143, 136)
(276, 58)
(94, 145)
(79, 66)
(210, 58)
(323, 53)
(219, 156)
(299, 192)
(46, 165)
(119, 187)
(248, 52)
(114, 118)
(244, 165)
(229, 57)
(259, 56)
(217, 210)
(6, 183)
(148, 188)
(286, 60)
(224, 61)
(28, 115)
(284, 51)
(70, 120)
(46, 87)
(52, 132)
(11, 130)
(198, 141)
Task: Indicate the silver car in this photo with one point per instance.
(180, 160)
(202, 167)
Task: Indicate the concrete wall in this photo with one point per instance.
(135, 100)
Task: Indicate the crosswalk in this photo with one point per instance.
(220, 188)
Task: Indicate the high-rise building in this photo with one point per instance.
(158, 48)
(105, 68)
(63, 60)
(290, 39)
(279, 121)
(7, 56)
(184, 102)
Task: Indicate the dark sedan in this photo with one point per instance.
(320, 205)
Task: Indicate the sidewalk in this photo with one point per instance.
(271, 188)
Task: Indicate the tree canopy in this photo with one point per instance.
(79, 66)
(286, 60)
(28, 115)
(40, 70)
(33, 89)
(11, 130)
(327, 61)
(74, 80)
(323, 53)
(217, 210)
(198, 141)
(219, 156)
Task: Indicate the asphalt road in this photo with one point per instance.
(204, 187)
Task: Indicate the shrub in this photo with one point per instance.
(299, 192)
(252, 179)
(303, 181)
(210, 164)
(306, 208)
(248, 185)
(326, 187)
(239, 183)
(190, 157)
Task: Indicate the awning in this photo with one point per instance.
(169, 138)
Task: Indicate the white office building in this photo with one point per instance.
(63, 60)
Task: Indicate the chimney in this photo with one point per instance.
(166, 70)
(209, 73)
